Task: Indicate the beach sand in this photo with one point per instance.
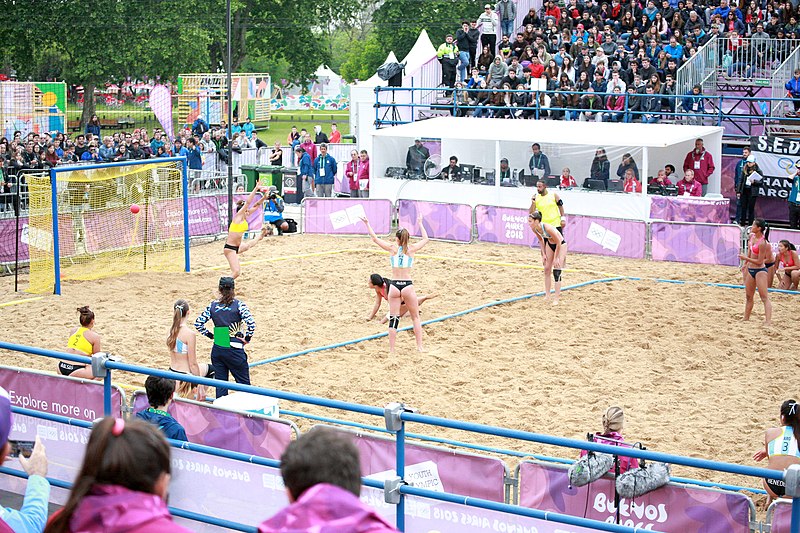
(692, 377)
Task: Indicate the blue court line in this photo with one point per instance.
(707, 284)
(427, 322)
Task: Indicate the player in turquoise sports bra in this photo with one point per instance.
(401, 288)
(780, 447)
(182, 355)
(756, 273)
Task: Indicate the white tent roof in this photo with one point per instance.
(550, 131)
(324, 72)
(375, 80)
(422, 52)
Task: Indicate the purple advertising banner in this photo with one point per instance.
(8, 240)
(695, 243)
(452, 222)
(690, 209)
(504, 225)
(219, 428)
(225, 488)
(781, 516)
(606, 236)
(58, 395)
(425, 515)
(671, 508)
(343, 215)
(204, 217)
(431, 468)
(65, 447)
(777, 235)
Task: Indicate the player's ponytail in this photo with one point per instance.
(86, 316)
(402, 239)
(790, 411)
(376, 279)
(179, 310)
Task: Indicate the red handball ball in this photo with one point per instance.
(134, 209)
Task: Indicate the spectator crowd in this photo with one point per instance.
(607, 61)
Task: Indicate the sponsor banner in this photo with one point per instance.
(695, 243)
(57, 394)
(431, 468)
(452, 222)
(8, 239)
(781, 516)
(218, 428)
(669, 508)
(776, 158)
(224, 488)
(689, 209)
(343, 215)
(606, 236)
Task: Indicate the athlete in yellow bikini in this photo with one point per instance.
(233, 245)
(84, 341)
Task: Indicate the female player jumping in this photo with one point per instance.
(554, 253)
(401, 288)
(233, 244)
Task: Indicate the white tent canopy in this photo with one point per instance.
(375, 80)
(483, 142)
(418, 62)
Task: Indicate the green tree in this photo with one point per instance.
(399, 22)
(361, 61)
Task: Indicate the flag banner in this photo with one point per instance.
(776, 157)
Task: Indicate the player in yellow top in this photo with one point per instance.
(233, 244)
(549, 205)
(84, 341)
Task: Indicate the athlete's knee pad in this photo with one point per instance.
(557, 274)
(394, 321)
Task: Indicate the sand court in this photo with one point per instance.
(692, 376)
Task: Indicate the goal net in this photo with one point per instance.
(113, 219)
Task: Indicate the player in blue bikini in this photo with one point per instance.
(759, 252)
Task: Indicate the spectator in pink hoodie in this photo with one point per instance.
(322, 474)
(122, 484)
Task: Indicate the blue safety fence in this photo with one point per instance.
(396, 416)
(701, 109)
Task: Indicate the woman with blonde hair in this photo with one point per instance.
(401, 288)
(613, 422)
(182, 356)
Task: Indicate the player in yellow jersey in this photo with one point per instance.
(549, 205)
(233, 244)
(84, 341)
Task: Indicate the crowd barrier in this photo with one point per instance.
(242, 432)
(709, 244)
(342, 216)
(234, 486)
(673, 507)
(686, 242)
(432, 467)
(779, 516)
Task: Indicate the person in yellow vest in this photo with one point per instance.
(83, 341)
(448, 57)
(549, 205)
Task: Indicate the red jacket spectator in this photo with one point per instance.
(335, 137)
(632, 185)
(553, 11)
(700, 162)
(568, 181)
(537, 69)
(690, 188)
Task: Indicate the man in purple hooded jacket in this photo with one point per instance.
(322, 474)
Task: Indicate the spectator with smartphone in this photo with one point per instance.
(33, 515)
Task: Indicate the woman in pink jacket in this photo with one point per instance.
(363, 174)
(122, 485)
(351, 171)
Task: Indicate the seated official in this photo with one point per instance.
(273, 211)
(613, 421)
(452, 171)
(661, 179)
(631, 184)
(505, 171)
(566, 181)
(689, 186)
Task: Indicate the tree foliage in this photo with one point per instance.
(363, 60)
(399, 22)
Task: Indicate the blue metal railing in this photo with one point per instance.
(401, 417)
(711, 111)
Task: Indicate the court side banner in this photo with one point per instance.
(776, 157)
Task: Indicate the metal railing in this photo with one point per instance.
(715, 110)
(701, 69)
(781, 76)
(396, 415)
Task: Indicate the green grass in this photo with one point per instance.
(279, 126)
